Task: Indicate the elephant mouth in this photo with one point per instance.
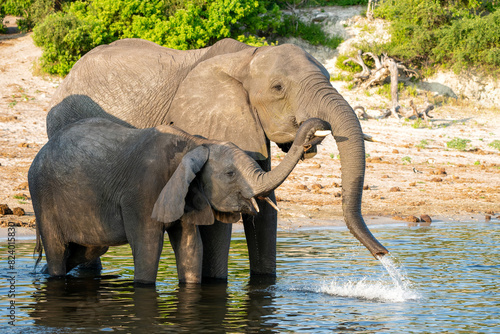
(310, 148)
(253, 206)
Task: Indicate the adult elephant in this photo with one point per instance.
(229, 91)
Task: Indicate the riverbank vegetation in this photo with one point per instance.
(456, 34)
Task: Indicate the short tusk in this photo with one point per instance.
(255, 205)
(322, 133)
(369, 138)
(271, 203)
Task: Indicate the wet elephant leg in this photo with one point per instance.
(93, 265)
(216, 240)
(186, 241)
(260, 232)
(86, 258)
(56, 255)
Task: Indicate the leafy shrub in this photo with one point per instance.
(66, 36)
(352, 67)
(423, 144)
(311, 32)
(2, 15)
(458, 34)
(474, 40)
(16, 7)
(32, 11)
(458, 143)
(495, 144)
(406, 159)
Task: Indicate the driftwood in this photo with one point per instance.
(385, 67)
(424, 114)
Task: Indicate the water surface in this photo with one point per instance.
(441, 278)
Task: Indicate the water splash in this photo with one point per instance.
(396, 272)
(367, 289)
(397, 288)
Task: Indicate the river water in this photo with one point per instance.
(444, 278)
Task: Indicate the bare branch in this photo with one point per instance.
(361, 113)
(376, 59)
(365, 73)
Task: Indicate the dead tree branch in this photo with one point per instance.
(361, 113)
(423, 115)
(385, 68)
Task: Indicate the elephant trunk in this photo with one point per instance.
(348, 135)
(310, 133)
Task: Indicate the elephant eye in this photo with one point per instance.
(278, 87)
(230, 173)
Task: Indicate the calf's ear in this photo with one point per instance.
(171, 202)
(197, 210)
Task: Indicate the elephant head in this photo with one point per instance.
(268, 92)
(219, 180)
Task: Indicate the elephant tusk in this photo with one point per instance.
(322, 133)
(369, 138)
(271, 203)
(255, 205)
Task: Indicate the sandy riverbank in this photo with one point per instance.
(410, 170)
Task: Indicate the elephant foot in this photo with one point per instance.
(259, 279)
(88, 269)
(94, 265)
(144, 284)
(45, 270)
(214, 280)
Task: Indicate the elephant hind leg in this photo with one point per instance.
(85, 256)
(56, 255)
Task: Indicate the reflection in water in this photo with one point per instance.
(326, 283)
(107, 303)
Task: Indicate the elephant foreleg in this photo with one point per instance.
(216, 241)
(146, 249)
(261, 232)
(186, 242)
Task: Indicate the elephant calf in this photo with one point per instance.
(97, 184)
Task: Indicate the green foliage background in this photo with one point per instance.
(82, 25)
(454, 33)
(67, 29)
(458, 34)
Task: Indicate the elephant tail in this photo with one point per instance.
(38, 247)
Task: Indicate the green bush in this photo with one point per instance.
(495, 144)
(311, 32)
(474, 40)
(2, 15)
(458, 143)
(458, 34)
(66, 36)
(33, 12)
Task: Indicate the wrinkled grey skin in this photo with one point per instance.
(229, 91)
(97, 184)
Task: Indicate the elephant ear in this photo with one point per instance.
(214, 92)
(198, 210)
(170, 204)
